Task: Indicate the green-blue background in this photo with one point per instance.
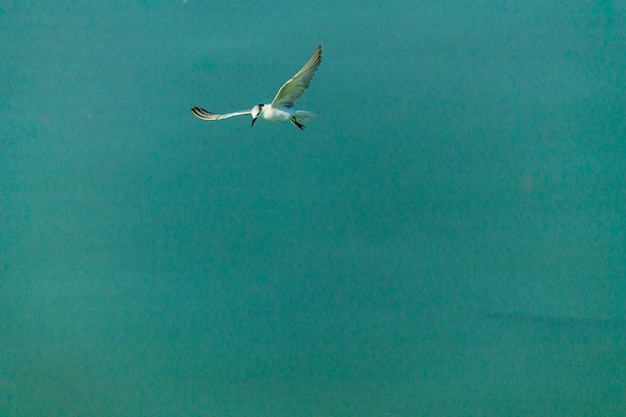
(446, 239)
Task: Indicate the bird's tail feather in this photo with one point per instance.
(305, 116)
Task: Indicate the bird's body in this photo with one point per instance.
(281, 109)
(277, 114)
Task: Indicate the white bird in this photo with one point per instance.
(281, 109)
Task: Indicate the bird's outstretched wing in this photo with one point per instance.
(207, 115)
(291, 91)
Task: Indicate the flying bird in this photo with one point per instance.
(281, 109)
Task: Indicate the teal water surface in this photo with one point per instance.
(447, 238)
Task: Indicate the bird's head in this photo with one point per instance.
(256, 111)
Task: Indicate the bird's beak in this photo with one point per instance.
(253, 120)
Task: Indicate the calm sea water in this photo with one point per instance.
(446, 239)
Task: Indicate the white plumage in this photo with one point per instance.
(281, 109)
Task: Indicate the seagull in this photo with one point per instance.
(281, 109)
